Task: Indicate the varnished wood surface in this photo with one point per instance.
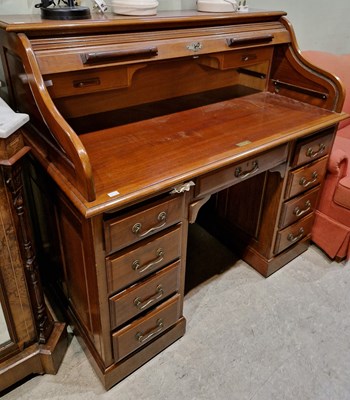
(34, 25)
(146, 157)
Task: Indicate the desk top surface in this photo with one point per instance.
(34, 25)
(143, 158)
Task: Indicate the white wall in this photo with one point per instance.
(318, 24)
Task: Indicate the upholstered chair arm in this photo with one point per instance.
(338, 163)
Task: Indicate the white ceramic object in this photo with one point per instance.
(217, 5)
(135, 7)
(10, 121)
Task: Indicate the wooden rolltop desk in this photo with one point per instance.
(140, 126)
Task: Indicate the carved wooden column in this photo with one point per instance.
(13, 178)
(37, 343)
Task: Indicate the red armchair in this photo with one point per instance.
(331, 231)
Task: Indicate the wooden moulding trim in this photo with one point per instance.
(64, 134)
(35, 359)
(34, 26)
(336, 84)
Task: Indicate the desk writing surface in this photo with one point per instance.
(164, 151)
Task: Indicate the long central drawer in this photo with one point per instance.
(225, 177)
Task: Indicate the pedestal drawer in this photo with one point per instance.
(139, 224)
(143, 330)
(299, 207)
(293, 233)
(306, 177)
(139, 261)
(140, 297)
(313, 148)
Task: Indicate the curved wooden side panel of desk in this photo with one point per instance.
(140, 126)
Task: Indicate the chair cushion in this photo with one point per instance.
(342, 193)
(332, 236)
(342, 142)
(345, 131)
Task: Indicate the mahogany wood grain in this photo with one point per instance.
(306, 177)
(137, 225)
(140, 297)
(112, 138)
(236, 173)
(294, 233)
(297, 207)
(33, 26)
(139, 332)
(313, 148)
(119, 266)
(267, 266)
(214, 131)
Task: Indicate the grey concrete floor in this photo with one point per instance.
(248, 338)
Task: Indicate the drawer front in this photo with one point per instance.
(228, 176)
(294, 233)
(138, 262)
(306, 177)
(236, 59)
(313, 148)
(143, 330)
(297, 208)
(135, 226)
(142, 296)
(84, 82)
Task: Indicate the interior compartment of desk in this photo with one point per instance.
(152, 90)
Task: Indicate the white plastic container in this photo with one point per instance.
(10, 121)
(217, 5)
(135, 7)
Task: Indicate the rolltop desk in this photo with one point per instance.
(140, 126)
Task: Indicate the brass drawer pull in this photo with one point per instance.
(141, 269)
(239, 173)
(292, 238)
(143, 337)
(142, 304)
(86, 82)
(305, 183)
(298, 212)
(136, 229)
(312, 154)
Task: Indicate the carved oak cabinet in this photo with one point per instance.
(31, 342)
(142, 125)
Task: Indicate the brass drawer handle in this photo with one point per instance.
(298, 212)
(293, 239)
(239, 173)
(136, 266)
(136, 229)
(305, 183)
(143, 337)
(86, 82)
(312, 154)
(141, 304)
